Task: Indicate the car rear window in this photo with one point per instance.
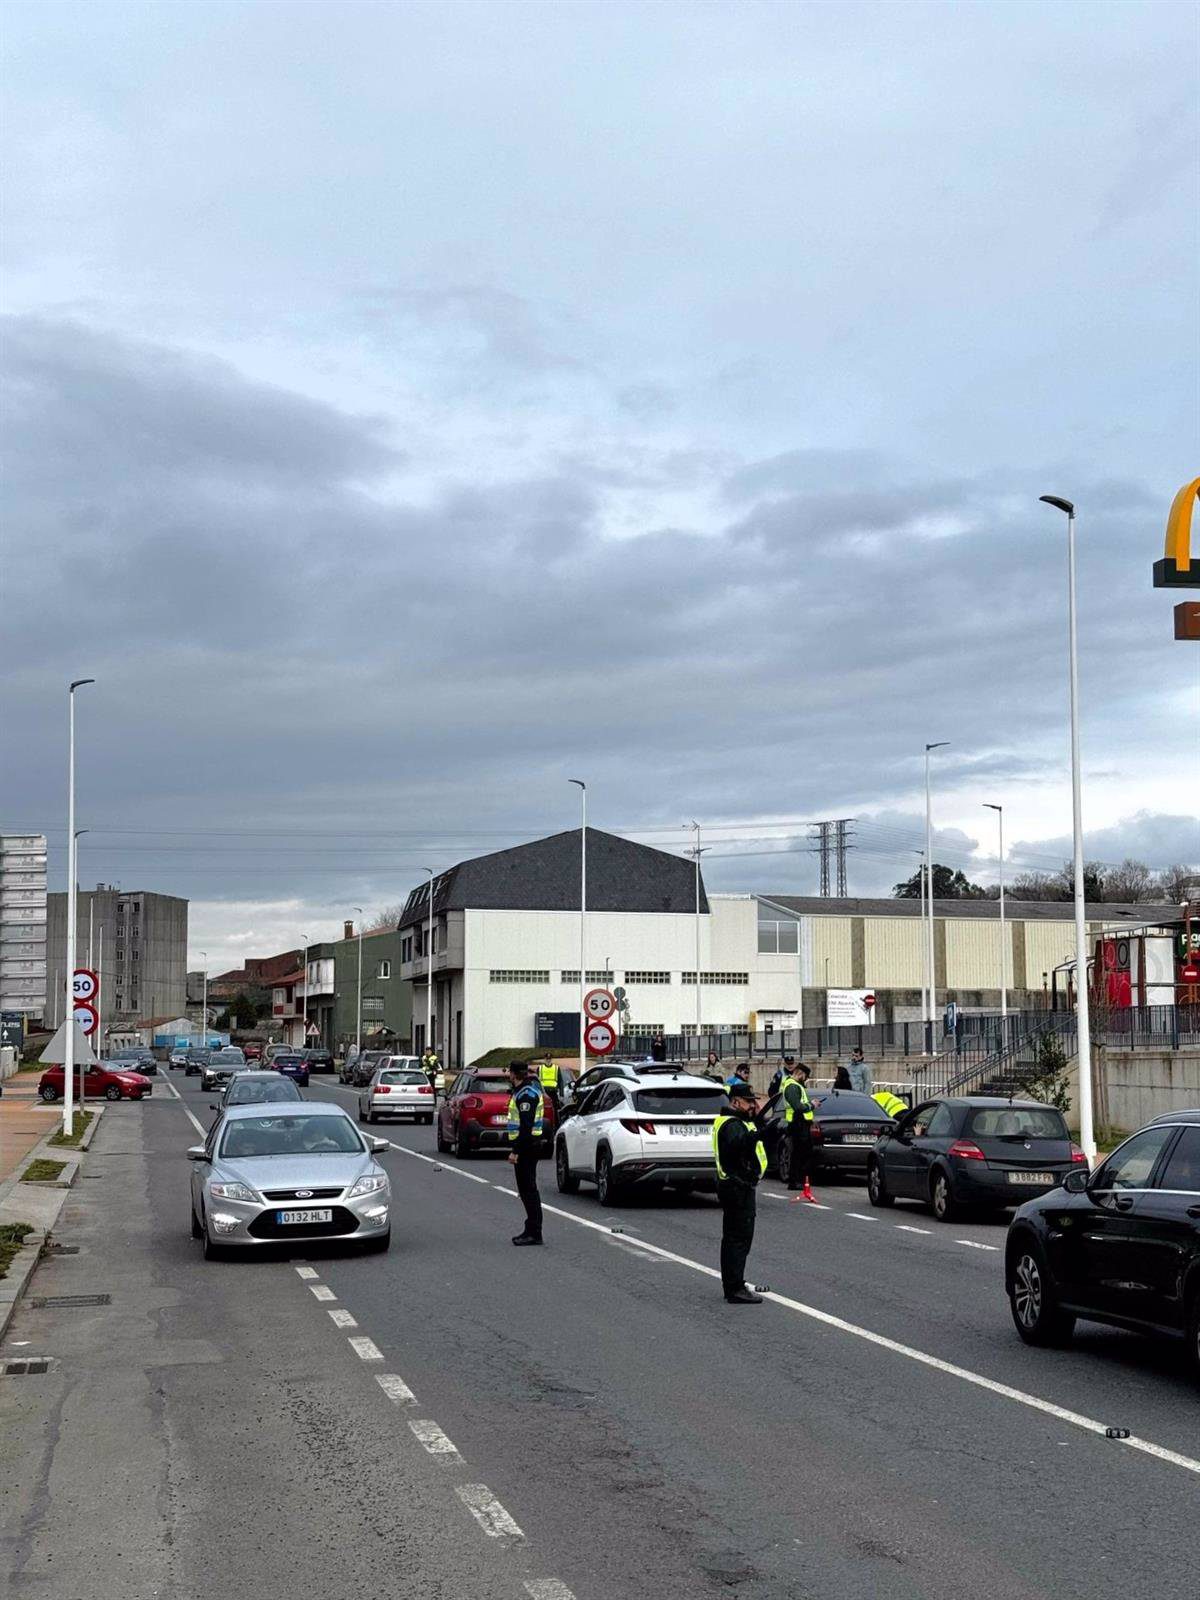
(396, 1075)
(845, 1103)
(289, 1060)
(1017, 1122)
(260, 1093)
(668, 1101)
(489, 1086)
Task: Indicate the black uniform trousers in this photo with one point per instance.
(738, 1206)
(526, 1171)
(800, 1135)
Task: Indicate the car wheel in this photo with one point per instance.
(112, 1092)
(212, 1252)
(376, 1247)
(783, 1161)
(197, 1230)
(1036, 1313)
(1193, 1335)
(607, 1186)
(443, 1147)
(372, 1116)
(941, 1198)
(361, 1118)
(461, 1148)
(876, 1189)
(49, 1093)
(567, 1182)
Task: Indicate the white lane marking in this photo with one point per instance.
(321, 1292)
(975, 1245)
(503, 1188)
(905, 1227)
(547, 1589)
(487, 1511)
(432, 1437)
(306, 1272)
(366, 1349)
(434, 1161)
(395, 1388)
(343, 1319)
(195, 1121)
(861, 1216)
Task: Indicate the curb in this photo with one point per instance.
(16, 1281)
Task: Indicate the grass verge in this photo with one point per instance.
(12, 1237)
(78, 1126)
(42, 1171)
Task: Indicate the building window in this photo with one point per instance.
(385, 970)
(727, 980)
(646, 1029)
(406, 948)
(647, 977)
(739, 1028)
(593, 977)
(778, 938)
(137, 955)
(512, 975)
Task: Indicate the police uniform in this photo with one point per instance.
(741, 1162)
(526, 1124)
(798, 1113)
(890, 1103)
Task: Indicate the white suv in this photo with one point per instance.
(652, 1130)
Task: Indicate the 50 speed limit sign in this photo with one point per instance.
(599, 1038)
(84, 984)
(599, 1005)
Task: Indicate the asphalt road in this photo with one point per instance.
(587, 1420)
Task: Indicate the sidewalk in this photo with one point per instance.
(24, 1121)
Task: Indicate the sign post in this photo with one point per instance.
(85, 986)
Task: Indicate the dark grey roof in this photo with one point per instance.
(544, 876)
(982, 910)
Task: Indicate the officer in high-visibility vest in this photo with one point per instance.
(550, 1078)
(889, 1102)
(430, 1066)
(798, 1114)
(526, 1126)
(741, 1162)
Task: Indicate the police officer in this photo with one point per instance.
(550, 1079)
(798, 1114)
(430, 1065)
(741, 1162)
(526, 1121)
(890, 1103)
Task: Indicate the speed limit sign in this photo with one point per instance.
(599, 1005)
(599, 1038)
(84, 984)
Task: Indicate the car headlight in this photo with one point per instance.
(232, 1191)
(371, 1184)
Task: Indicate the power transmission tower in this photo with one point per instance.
(842, 844)
(820, 833)
(832, 839)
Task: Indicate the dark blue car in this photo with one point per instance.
(293, 1064)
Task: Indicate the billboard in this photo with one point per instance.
(849, 1008)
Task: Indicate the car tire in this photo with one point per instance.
(1036, 1313)
(49, 1093)
(112, 1092)
(443, 1147)
(877, 1192)
(361, 1118)
(376, 1247)
(608, 1188)
(1193, 1334)
(197, 1230)
(461, 1148)
(372, 1117)
(567, 1182)
(783, 1161)
(941, 1198)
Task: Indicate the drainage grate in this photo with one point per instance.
(57, 1302)
(31, 1368)
(62, 1249)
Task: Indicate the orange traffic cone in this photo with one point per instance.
(807, 1192)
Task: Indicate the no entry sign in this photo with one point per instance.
(599, 1038)
(599, 1005)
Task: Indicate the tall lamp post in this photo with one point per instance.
(304, 1040)
(582, 787)
(358, 1011)
(697, 852)
(1087, 1137)
(924, 946)
(204, 1001)
(939, 744)
(79, 833)
(69, 1053)
(999, 810)
(429, 967)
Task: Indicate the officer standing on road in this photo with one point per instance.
(550, 1079)
(741, 1162)
(430, 1065)
(798, 1113)
(526, 1121)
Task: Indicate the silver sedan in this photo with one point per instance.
(267, 1174)
(396, 1091)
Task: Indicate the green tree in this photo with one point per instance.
(243, 1010)
(948, 884)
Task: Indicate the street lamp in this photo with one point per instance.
(582, 787)
(1083, 1022)
(69, 1053)
(79, 833)
(204, 1002)
(358, 1012)
(999, 810)
(939, 744)
(697, 852)
(304, 1040)
(429, 968)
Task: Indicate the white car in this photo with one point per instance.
(648, 1131)
(397, 1088)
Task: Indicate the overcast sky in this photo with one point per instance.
(410, 407)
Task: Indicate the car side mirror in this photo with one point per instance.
(378, 1146)
(197, 1152)
(1077, 1180)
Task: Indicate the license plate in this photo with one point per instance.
(687, 1130)
(498, 1122)
(1031, 1177)
(858, 1138)
(283, 1217)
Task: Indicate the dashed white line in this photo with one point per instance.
(321, 1292)
(488, 1512)
(343, 1319)
(366, 1349)
(861, 1216)
(395, 1388)
(547, 1589)
(973, 1244)
(195, 1121)
(306, 1272)
(431, 1436)
(905, 1227)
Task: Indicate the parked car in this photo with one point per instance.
(364, 1067)
(473, 1116)
(133, 1058)
(582, 1086)
(974, 1150)
(346, 1070)
(197, 1060)
(398, 1089)
(98, 1081)
(221, 1066)
(256, 1089)
(287, 1172)
(648, 1132)
(319, 1059)
(1120, 1245)
(293, 1064)
(274, 1048)
(845, 1127)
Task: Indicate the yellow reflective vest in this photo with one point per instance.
(718, 1123)
(548, 1073)
(789, 1111)
(514, 1115)
(891, 1103)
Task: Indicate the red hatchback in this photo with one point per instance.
(474, 1115)
(98, 1083)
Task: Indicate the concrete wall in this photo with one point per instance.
(1143, 1084)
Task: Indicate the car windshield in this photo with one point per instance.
(261, 1092)
(669, 1101)
(288, 1060)
(845, 1103)
(1017, 1122)
(392, 1075)
(290, 1136)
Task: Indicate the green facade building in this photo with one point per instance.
(386, 997)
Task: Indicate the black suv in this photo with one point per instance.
(319, 1059)
(1120, 1246)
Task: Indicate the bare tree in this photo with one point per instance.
(1130, 882)
(1178, 883)
(386, 918)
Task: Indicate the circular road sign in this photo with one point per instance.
(85, 1016)
(599, 1038)
(599, 1005)
(84, 984)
